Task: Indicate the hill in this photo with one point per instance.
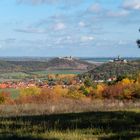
(109, 70)
(20, 66)
(69, 63)
(53, 64)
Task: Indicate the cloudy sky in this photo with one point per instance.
(93, 28)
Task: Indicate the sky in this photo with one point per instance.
(82, 28)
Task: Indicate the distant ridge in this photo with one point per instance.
(52, 64)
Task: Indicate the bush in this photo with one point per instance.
(136, 91)
(5, 97)
(74, 93)
(30, 91)
(59, 90)
(48, 95)
(2, 99)
(88, 82)
(84, 91)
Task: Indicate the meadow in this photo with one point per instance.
(57, 72)
(97, 125)
(15, 76)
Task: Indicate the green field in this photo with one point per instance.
(108, 125)
(13, 75)
(57, 72)
(21, 75)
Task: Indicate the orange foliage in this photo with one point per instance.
(3, 86)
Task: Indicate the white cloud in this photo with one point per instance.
(121, 42)
(37, 2)
(59, 26)
(95, 8)
(87, 38)
(131, 4)
(121, 13)
(81, 24)
(31, 30)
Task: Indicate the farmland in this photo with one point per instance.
(15, 76)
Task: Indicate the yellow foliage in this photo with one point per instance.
(74, 93)
(100, 87)
(127, 93)
(69, 76)
(127, 81)
(58, 89)
(30, 91)
(99, 90)
(51, 76)
(138, 79)
(61, 76)
(89, 89)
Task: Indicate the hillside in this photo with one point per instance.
(108, 70)
(16, 66)
(69, 63)
(53, 64)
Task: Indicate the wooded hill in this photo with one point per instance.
(74, 64)
(53, 64)
(113, 69)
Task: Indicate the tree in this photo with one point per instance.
(88, 82)
(138, 41)
(30, 91)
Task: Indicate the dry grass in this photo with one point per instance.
(67, 105)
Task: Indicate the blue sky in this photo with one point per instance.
(92, 28)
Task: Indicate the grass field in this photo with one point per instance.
(21, 75)
(13, 75)
(57, 72)
(108, 125)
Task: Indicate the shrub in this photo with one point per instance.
(5, 97)
(136, 91)
(59, 90)
(30, 91)
(88, 82)
(118, 91)
(74, 93)
(2, 99)
(48, 95)
(84, 91)
(126, 81)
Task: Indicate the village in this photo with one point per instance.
(65, 83)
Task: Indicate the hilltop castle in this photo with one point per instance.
(118, 60)
(66, 58)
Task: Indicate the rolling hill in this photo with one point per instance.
(70, 64)
(53, 64)
(108, 70)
